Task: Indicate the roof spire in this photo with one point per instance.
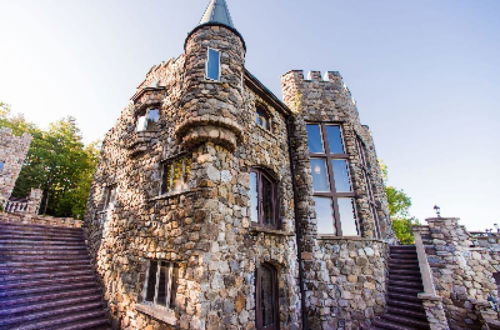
(217, 13)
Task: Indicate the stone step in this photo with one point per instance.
(398, 277)
(28, 258)
(43, 251)
(402, 248)
(406, 321)
(5, 295)
(16, 267)
(97, 324)
(416, 285)
(38, 228)
(406, 258)
(403, 297)
(388, 325)
(63, 320)
(405, 272)
(36, 316)
(404, 290)
(419, 315)
(43, 305)
(47, 282)
(395, 265)
(41, 238)
(20, 278)
(47, 297)
(17, 244)
(405, 304)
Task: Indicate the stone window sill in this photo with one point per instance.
(172, 194)
(162, 314)
(326, 237)
(255, 229)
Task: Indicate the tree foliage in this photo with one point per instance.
(399, 210)
(58, 162)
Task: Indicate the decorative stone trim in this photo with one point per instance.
(161, 314)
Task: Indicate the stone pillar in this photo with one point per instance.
(34, 200)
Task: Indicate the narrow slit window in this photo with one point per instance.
(213, 65)
(2, 165)
(109, 197)
(263, 199)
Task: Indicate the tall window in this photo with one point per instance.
(333, 193)
(368, 183)
(109, 197)
(263, 199)
(267, 306)
(262, 118)
(176, 174)
(2, 165)
(148, 120)
(161, 283)
(213, 65)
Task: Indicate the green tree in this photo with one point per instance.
(58, 162)
(399, 206)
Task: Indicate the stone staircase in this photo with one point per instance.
(47, 281)
(404, 309)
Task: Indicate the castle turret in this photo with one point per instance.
(213, 81)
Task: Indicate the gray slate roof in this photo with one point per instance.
(218, 13)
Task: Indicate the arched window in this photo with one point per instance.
(262, 118)
(263, 199)
(267, 298)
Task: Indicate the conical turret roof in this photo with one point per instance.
(217, 13)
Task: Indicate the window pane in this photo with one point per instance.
(2, 164)
(152, 118)
(341, 175)
(262, 119)
(162, 285)
(151, 283)
(320, 175)
(324, 215)
(335, 139)
(314, 139)
(254, 198)
(347, 217)
(267, 201)
(141, 123)
(213, 69)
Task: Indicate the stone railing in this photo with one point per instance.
(16, 207)
(432, 303)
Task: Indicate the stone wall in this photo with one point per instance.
(462, 269)
(325, 262)
(13, 150)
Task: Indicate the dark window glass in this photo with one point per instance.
(263, 199)
(347, 216)
(335, 139)
(341, 175)
(314, 140)
(151, 284)
(319, 175)
(262, 119)
(213, 64)
(161, 283)
(267, 309)
(324, 215)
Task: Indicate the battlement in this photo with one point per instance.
(313, 75)
(7, 136)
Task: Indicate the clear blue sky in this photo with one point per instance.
(426, 75)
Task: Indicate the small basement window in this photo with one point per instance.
(161, 283)
(213, 65)
(176, 175)
(262, 118)
(148, 120)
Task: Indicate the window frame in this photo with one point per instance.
(186, 163)
(261, 111)
(109, 191)
(274, 297)
(327, 156)
(275, 200)
(207, 63)
(170, 290)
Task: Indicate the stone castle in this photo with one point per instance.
(217, 206)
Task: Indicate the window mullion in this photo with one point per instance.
(168, 284)
(157, 284)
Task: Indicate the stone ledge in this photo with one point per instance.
(348, 238)
(162, 314)
(172, 195)
(255, 229)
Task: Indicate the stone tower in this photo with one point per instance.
(202, 211)
(13, 150)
